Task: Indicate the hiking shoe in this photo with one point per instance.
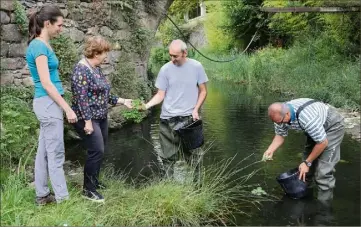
(100, 186)
(93, 196)
(50, 198)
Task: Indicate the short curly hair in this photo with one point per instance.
(95, 45)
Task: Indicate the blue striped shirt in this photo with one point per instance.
(312, 118)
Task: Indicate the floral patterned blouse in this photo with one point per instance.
(91, 93)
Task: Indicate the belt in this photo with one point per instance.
(174, 119)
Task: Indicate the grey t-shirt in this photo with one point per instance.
(180, 84)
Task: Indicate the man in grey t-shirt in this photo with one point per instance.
(181, 86)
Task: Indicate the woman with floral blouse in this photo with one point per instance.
(91, 96)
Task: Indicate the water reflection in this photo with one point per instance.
(299, 212)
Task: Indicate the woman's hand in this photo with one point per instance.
(88, 129)
(71, 116)
(128, 103)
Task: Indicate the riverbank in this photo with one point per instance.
(307, 69)
(352, 121)
(155, 202)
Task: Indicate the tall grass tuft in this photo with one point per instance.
(224, 192)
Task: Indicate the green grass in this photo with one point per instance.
(156, 202)
(312, 68)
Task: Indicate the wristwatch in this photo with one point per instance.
(309, 164)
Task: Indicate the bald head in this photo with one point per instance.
(178, 46)
(178, 52)
(277, 112)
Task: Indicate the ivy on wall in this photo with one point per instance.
(20, 17)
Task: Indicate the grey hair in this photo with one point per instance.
(183, 45)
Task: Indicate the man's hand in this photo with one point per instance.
(195, 115)
(303, 168)
(142, 107)
(267, 155)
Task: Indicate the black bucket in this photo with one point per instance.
(292, 185)
(192, 135)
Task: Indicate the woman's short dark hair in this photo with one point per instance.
(37, 19)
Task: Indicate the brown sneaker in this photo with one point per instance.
(40, 201)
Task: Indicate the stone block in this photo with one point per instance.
(25, 71)
(11, 33)
(113, 56)
(107, 69)
(17, 82)
(76, 35)
(17, 50)
(29, 4)
(122, 34)
(7, 5)
(12, 63)
(4, 49)
(61, 5)
(4, 18)
(85, 4)
(64, 12)
(12, 18)
(6, 77)
(77, 15)
(105, 31)
(28, 82)
(92, 31)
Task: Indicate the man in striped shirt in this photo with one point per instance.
(324, 129)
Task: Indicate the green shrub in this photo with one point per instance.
(218, 39)
(134, 114)
(20, 17)
(19, 126)
(67, 54)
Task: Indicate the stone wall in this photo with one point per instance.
(121, 22)
(197, 33)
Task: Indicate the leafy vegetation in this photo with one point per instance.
(218, 40)
(19, 126)
(126, 81)
(20, 17)
(283, 29)
(67, 54)
(134, 114)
